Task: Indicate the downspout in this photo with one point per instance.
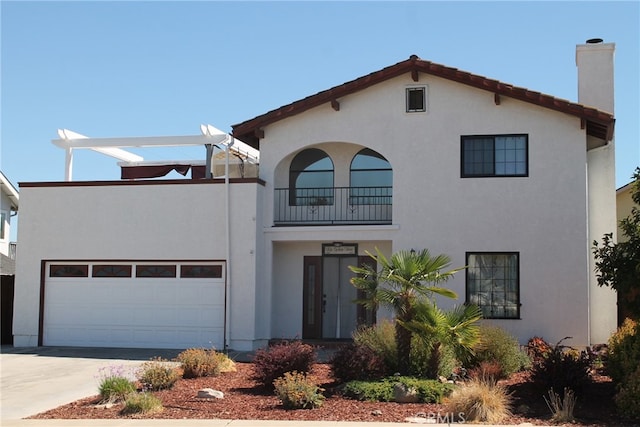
(227, 338)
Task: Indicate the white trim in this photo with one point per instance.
(70, 140)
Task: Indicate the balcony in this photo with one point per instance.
(333, 206)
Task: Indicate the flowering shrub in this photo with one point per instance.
(624, 351)
(116, 389)
(199, 362)
(296, 391)
(158, 374)
(115, 383)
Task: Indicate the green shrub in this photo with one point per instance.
(480, 402)
(296, 391)
(497, 345)
(275, 361)
(624, 351)
(356, 362)
(421, 360)
(627, 399)
(142, 403)
(428, 391)
(381, 338)
(115, 389)
(562, 368)
(158, 374)
(199, 362)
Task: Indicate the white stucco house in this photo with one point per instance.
(512, 183)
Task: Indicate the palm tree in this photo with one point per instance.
(409, 278)
(456, 328)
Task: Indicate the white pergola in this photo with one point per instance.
(210, 137)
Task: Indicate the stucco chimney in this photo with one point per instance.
(594, 60)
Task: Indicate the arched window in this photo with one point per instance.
(371, 179)
(311, 178)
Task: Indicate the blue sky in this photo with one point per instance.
(125, 68)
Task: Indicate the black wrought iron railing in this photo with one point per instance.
(333, 205)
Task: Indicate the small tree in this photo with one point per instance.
(408, 278)
(618, 264)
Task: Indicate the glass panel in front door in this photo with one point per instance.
(339, 314)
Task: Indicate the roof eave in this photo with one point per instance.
(599, 123)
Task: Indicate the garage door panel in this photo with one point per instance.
(134, 312)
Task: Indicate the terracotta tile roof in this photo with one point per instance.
(598, 123)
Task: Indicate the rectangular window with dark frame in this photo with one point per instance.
(416, 99)
(155, 270)
(111, 270)
(201, 271)
(494, 155)
(69, 270)
(493, 283)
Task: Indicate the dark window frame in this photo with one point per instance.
(493, 174)
(370, 195)
(151, 271)
(201, 271)
(69, 270)
(409, 99)
(121, 271)
(468, 293)
(310, 196)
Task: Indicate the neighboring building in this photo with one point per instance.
(624, 205)
(513, 183)
(9, 199)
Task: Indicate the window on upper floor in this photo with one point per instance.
(416, 99)
(371, 179)
(311, 179)
(493, 284)
(494, 155)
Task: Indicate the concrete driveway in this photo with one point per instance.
(33, 380)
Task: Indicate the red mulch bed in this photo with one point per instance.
(244, 400)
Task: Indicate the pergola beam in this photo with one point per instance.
(210, 136)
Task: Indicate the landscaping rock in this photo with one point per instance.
(209, 393)
(404, 394)
(376, 412)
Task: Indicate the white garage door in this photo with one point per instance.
(134, 304)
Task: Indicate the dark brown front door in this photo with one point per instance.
(328, 311)
(312, 298)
